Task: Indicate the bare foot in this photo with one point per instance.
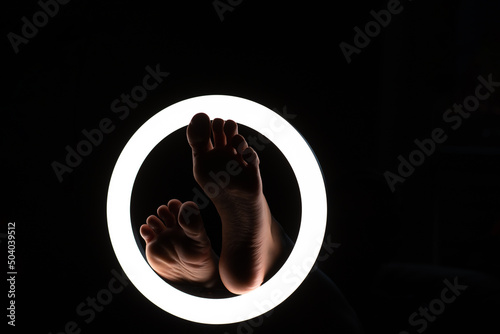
(228, 171)
(177, 246)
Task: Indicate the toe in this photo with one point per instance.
(230, 129)
(166, 215)
(218, 132)
(191, 222)
(251, 157)
(147, 233)
(174, 205)
(198, 133)
(239, 143)
(155, 224)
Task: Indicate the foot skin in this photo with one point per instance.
(228, 171)
(177, 246)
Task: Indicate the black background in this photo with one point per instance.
(357, 118)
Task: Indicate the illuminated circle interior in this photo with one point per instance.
(313, 219)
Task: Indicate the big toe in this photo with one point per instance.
(198, 133)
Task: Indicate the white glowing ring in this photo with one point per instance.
(312, 227)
